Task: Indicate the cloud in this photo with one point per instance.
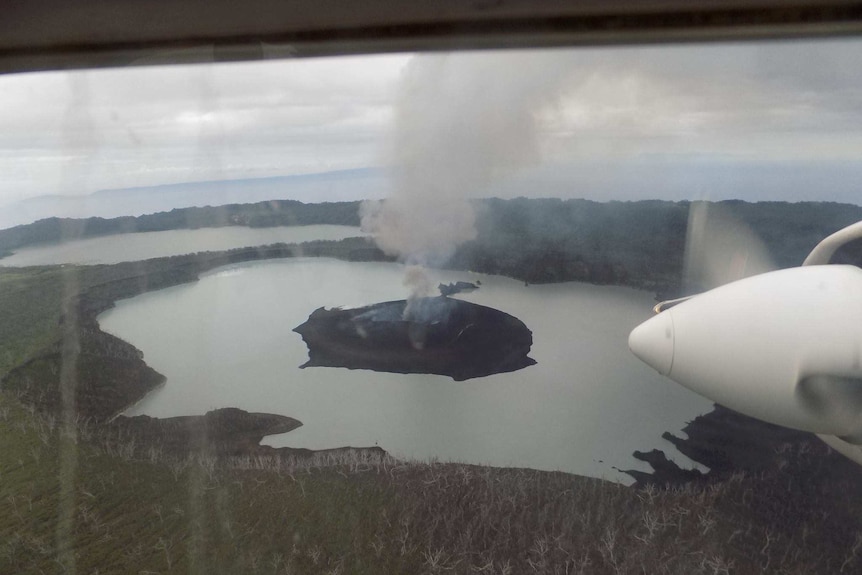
(768, 102)
(77, 132)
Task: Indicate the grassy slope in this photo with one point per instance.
(31, 302)
(68, 505)
(71, 502)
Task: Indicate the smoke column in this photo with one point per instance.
(462, 121)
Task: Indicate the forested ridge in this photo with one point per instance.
(257, 215)
(641, 244)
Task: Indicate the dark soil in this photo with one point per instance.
(437, 335)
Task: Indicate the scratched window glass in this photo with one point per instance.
(588, 310)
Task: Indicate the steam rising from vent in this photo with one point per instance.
(419, 284)
(462, 121)
(417, 281)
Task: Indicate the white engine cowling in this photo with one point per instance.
(784, 346)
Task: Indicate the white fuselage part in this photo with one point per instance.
(784, 346)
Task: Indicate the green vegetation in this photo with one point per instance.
(258, 215)
(52, 324)
(31, 304)
(71, 502)
(641, 244)
(77, 496)
(74, 500)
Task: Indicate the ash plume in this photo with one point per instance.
(462, 121)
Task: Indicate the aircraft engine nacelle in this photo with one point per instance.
(784, 346)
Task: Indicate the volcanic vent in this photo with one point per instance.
(437, 335)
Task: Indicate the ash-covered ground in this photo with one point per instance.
(436, 335)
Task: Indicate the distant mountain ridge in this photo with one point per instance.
(206, 185)
(336, 186)
(669, 177)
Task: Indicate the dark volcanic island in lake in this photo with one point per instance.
(436, 335)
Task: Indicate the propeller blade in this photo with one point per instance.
(720, 248)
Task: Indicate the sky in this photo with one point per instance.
(779, 120)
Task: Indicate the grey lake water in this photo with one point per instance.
(587, 404)
(139, 246)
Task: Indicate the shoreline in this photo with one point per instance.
(729, 443)
(121, 370)
(111, 374)
(130, 279)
